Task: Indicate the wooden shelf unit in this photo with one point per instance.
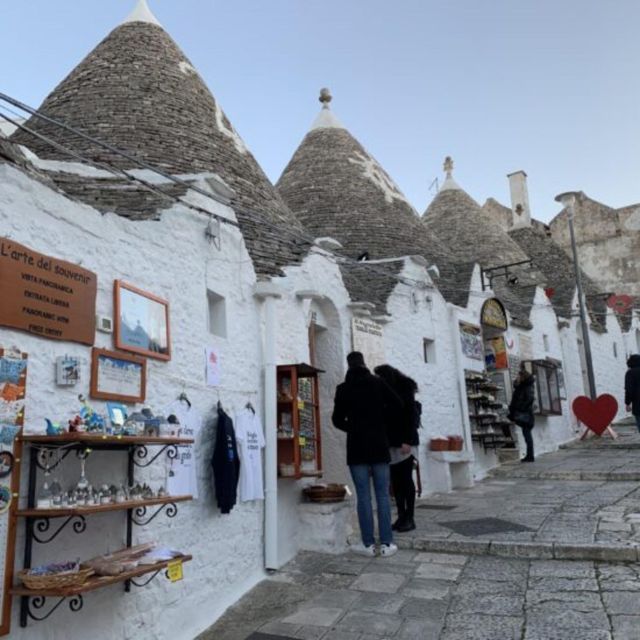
(299, 408)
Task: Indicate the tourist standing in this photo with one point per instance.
(403, 441)
(632, 387)
(521, 409)
(361, 405)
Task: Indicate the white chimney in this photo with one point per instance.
(519, 199)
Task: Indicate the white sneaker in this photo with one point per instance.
(388, 550)
(361, 550)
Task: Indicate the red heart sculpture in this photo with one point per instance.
(596, 415)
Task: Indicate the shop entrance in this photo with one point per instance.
(326, 353)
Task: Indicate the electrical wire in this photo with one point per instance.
(250, 215)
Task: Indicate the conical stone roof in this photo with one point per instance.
(337, 189)
(459, 223)
(138, 92)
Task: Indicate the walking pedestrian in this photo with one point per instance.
(361, 405)
(521, 409)
(403, 440)
(632, 387)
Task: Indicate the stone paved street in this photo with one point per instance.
(564, 569)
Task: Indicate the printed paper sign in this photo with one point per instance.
(213, 371)
(174, 570)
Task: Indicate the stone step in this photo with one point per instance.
(592, 476)
(531, 550)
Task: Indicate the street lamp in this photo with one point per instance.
(568, 200)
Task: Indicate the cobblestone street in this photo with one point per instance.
(545, 551)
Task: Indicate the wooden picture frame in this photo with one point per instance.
(142, 323)
(117, 376)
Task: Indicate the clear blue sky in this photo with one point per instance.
(548, 86)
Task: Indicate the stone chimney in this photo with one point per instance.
(519, 199)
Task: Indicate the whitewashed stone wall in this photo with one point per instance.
(172, 259)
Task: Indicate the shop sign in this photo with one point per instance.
(494, 315)
(368, 338)
(47, 297)
(471, 341)
(496, 354)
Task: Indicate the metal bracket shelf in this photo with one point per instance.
(139, 514)
(42, 525)
(36, 603)
(141, 453)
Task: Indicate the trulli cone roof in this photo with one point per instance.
(137, 91)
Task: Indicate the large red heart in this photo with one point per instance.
(596, 415)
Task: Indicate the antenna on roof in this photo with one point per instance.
(435, 185)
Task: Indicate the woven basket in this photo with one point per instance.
(56, 580)
(439, 444)
(325, 493)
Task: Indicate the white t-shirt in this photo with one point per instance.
(183, 477)
(250, 441)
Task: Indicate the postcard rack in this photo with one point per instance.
(44, 525)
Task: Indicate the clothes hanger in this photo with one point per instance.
(250, 407)
(183, 396)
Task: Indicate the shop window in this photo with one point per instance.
(545, 340)
(429, 350)
(547, 387)
(217, 314)
(615, 349)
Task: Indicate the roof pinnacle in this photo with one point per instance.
(448, 166)
(325, 97)
(449, 183)
(142, 13)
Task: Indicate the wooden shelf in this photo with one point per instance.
(100, 439)
(97, 582)
(98, 508)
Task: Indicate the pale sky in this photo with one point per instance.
(548, 86)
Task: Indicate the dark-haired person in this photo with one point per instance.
(361, 405)
(632, 387)
(404, 440)
(521, 409)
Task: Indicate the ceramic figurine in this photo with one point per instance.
(45, 497)
(53, 428)
(56, 501)
(162, 492)
(147, 492)
(71, 499)
(120, 496)
(76, 425)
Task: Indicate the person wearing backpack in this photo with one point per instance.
(403, 441)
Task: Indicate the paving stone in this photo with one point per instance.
(435, 610)
(427, 589)
(316, 616)
(307, 632)
(379, 582)
(488, 603)
(370, 623)
(559, 616)
(441, 558)
(378, 602)
(418, 628)
(278, 628)
(438, 571)
(520, 549)
(336, 634)
(563, 584)
(505, 587)
(585, 601)
(562, 569)
(482, 627)
(489, 568)
(620, 602)
(551, 633)
(626, 627)
(333, 598)
(608, 553)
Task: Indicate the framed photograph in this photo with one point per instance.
(117, 376)
(141, 322)
(118, 413)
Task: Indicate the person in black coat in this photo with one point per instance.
(632, 387)
(362, 403)
(521, 409)
(403, 441)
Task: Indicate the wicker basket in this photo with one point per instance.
(439, 444)
(55, 580)
(325, 493)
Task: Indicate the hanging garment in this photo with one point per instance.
(183, 477)
(225, 462)
(250, 439)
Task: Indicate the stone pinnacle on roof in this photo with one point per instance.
(142, 13)
(449, 182)
(326, 118)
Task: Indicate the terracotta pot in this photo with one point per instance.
(439, 444)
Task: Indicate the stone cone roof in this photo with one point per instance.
(337, 189)
(456, 220)
(138, 92)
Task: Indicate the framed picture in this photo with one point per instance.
(6, 463)
(117, 376)
(141, 322)
(118, 413)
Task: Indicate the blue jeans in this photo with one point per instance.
(360, 474)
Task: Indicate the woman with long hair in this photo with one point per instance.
(403, 444)
(521, 409)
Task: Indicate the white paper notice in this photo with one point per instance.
(212, 355)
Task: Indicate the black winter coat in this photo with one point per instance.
(404, 426)
(225, 462)
(632, 385)
(522, 403)
(362, 403)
